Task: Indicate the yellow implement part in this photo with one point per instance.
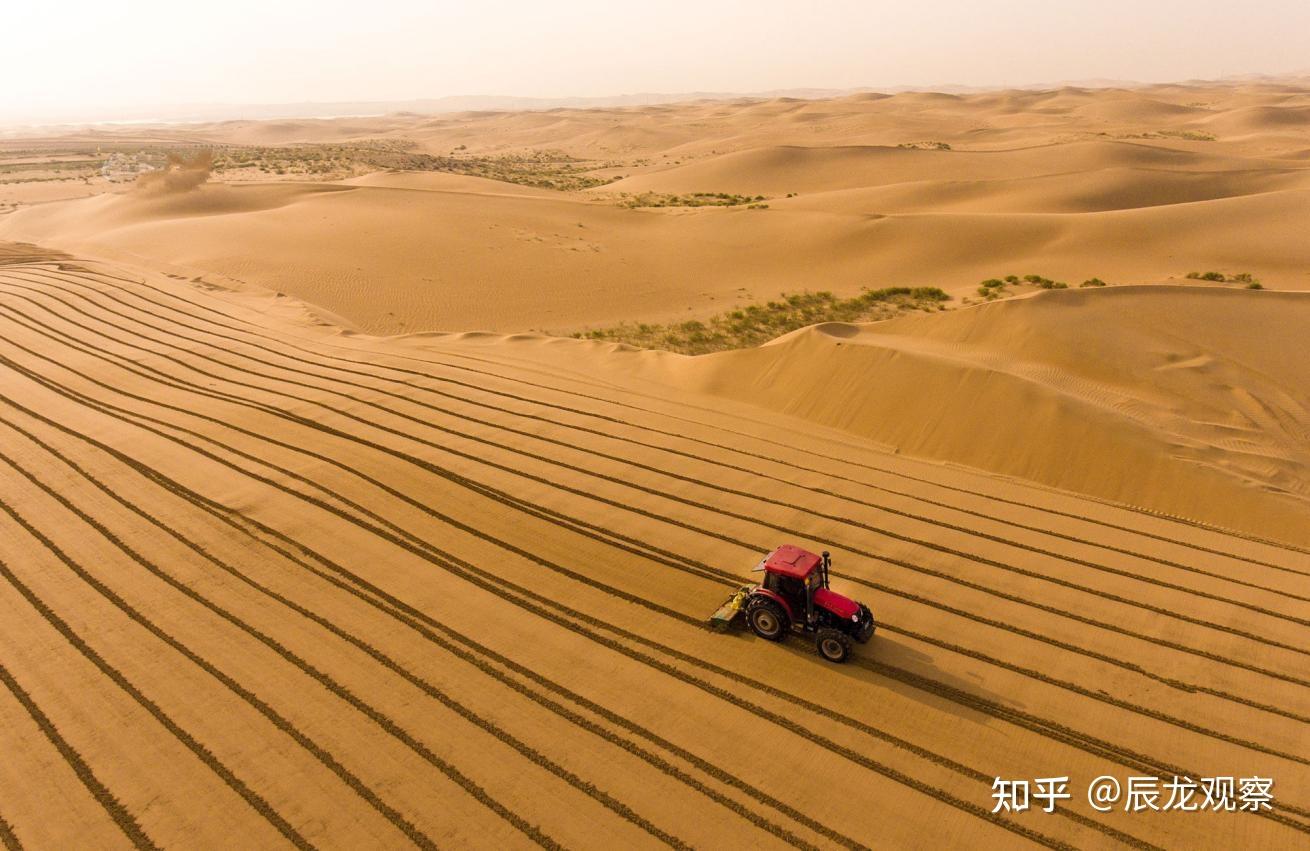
(723, 618)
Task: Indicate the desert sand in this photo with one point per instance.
(1130, 186)
(318, 529)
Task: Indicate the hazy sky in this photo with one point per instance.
(89, 59)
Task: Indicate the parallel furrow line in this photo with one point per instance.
(217, 511)
(524, 750)
(1035, 575)
(486, 491)
(499, 585)
(120, 815)
(686, 618)
(474, 790)
(277, 719)
(103, 278)
(256, 802)
(421, 552)
(172, 334)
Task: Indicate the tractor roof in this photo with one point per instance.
(790, 561)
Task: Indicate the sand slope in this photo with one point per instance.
(394, 260)
(263, 583)
(1185, 400)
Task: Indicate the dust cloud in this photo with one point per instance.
(178, 175)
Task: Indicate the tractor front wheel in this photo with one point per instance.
(833, 644)
(767, 619)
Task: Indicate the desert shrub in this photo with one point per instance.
(1092, 282)
(1206, 276)
(1241, 278)
(1012, 279)
(758, 323)
(1255, 285)
(694, 199)
(991, 282)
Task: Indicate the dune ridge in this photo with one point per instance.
(1131, 394)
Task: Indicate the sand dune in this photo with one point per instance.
(1130, 394)
(1129, 186)
(391, 260)
(450, 589)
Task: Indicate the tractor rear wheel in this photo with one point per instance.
(767, 619)
(833, 644)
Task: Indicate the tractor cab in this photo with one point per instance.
(794, 596)
(795, 575)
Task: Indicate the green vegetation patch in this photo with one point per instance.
(1244, 278)
(692, 199)
(759, 323)
(994, 288)
(1186, 135)
(542, 169)
(925, 146)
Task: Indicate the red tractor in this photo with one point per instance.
(794, 597)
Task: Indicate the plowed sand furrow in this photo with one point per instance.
(992, 562)
(159, 740)
(367, 594)
(934, 525)
(296, 371)
(274, 622)
(255, 466)
(373, 714)
(40, 767)
(312, 794)
(897, 774)
(483, 406)
(8, 837)
(119, 282)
